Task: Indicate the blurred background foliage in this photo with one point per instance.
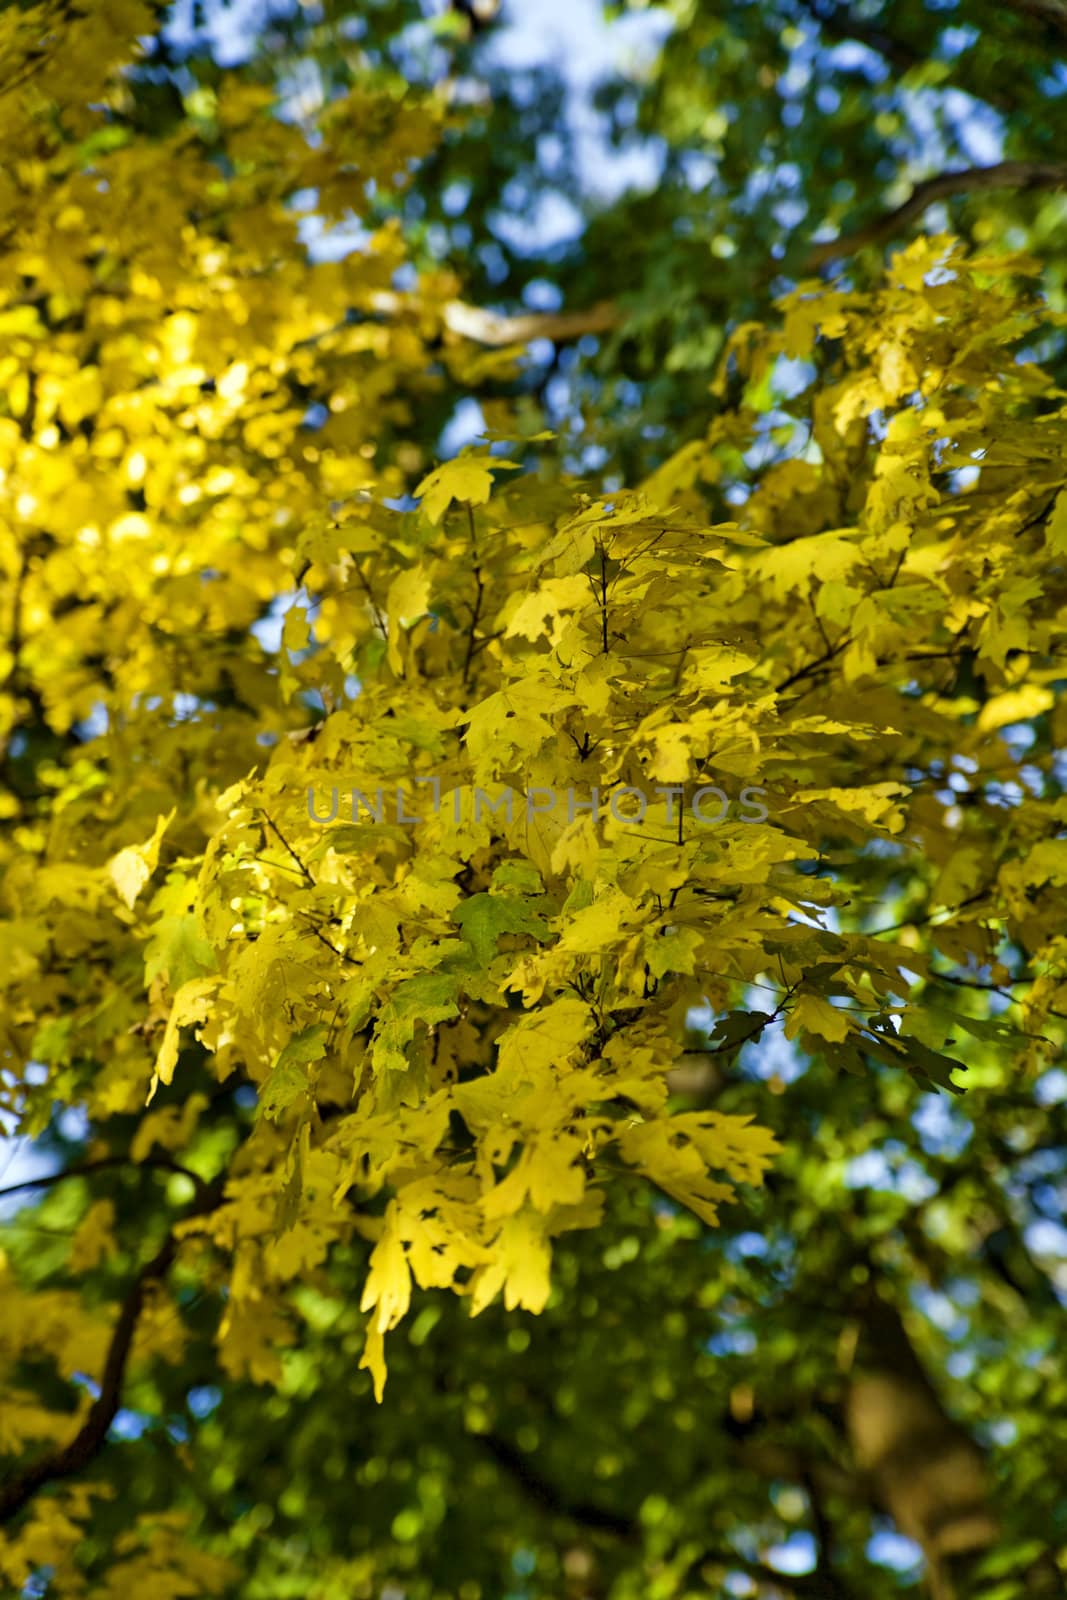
(679, 160)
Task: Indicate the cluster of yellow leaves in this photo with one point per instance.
(524, 972)
(154, 1559)
(53, 1324)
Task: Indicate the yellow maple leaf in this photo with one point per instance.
(538, 614)
(523, 1257)
(131, 869)
(408, 600)
(386, 1293)
(191, 1004)
(94, 1239)
(545, 1036)
(469, 478)
(814, 1014)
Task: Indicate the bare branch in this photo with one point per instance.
(494, 328)
(92, 1435)
(540, 1489)
(1053, 12)
(498, 330)
(806, 1587)
(151, 1163)
(1013, 175)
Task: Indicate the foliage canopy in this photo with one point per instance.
(520, 882)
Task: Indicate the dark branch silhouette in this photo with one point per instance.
(1053, 12)
(1018, 176)
(91, 1436)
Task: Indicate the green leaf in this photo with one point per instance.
(429, 998)
(288, 1079)
(484, 917)
(178, 949)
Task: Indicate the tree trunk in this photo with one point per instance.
(929, 1474)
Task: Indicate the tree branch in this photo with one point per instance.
(496, 329)
(925, 1469)
(548, 1496)
(1014, 175)
(153, 1163)
(804, 1586)
(598, 1519)
(1054, 12)
(91, 1436)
